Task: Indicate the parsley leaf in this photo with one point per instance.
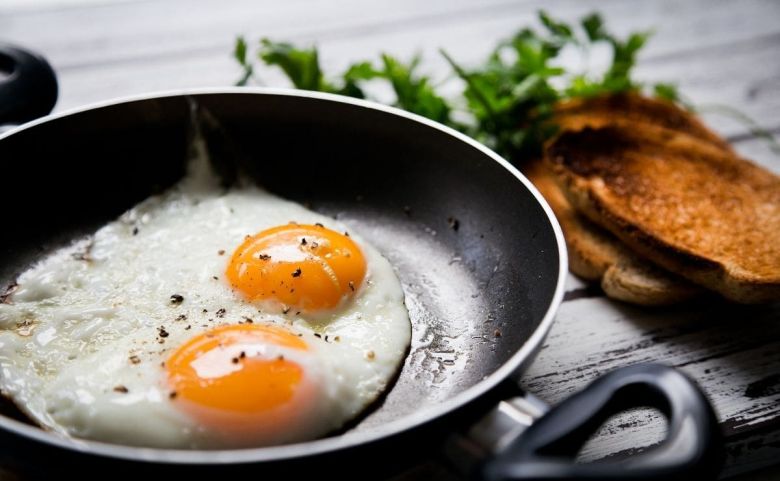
(594, 27)
(513, 101)
(301, 65)
(413, 92)
(239, 53)
(557, 29)
(667, 91)
(510, 98)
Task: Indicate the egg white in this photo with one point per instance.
(83, 324)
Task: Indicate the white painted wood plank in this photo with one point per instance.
(81, 86)
(760, 151)
(127, 32)
(168, 29)
(719, 51)
(732, 351)
(38, 5)
(743, 76)
(703, 77)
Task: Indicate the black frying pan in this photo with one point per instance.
(479, 253)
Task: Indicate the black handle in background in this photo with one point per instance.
(693, 448)
(30, 89)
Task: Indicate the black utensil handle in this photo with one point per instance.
(693, 448)
(28, 85)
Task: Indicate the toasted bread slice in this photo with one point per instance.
(686, 203)
(633, 109)
(594, 253)
(638, 281)
(597, 255)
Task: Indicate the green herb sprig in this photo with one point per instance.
(507, 102)
(513, 100)
(413, 92)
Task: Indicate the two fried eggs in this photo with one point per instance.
(204, 319)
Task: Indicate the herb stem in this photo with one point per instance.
(467, 78)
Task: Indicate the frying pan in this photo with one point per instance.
(478, 251)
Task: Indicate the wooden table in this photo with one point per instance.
(724, 52)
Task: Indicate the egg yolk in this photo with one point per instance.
(306, 267)
(230, 369)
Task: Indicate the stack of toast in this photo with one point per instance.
(658, 208)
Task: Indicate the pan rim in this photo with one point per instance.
(349, 439)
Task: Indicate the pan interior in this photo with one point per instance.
(474, 250)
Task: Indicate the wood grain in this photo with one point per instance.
(131, 48)
(718, 51)
(732, 351)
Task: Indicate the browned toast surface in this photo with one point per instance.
(595, 254)
(686, 203)
(636, 110)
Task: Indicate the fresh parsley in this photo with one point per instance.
(413, 92)
(507, 102)
(513, 94)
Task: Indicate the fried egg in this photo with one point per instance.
(204, 319)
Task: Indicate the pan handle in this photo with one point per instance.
(28, 85)
(546, 449)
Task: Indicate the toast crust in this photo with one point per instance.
(688, 204)
(640, 282)
(597, 255)
(634, 109)
(594, 253)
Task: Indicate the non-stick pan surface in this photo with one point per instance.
(479, 254)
